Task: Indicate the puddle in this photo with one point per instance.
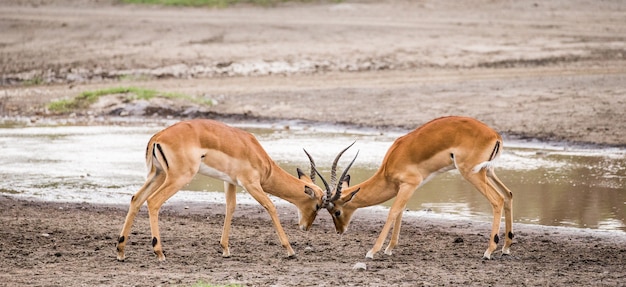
(552, 185)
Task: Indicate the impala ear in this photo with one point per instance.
(345, 183)
(300, 173)
(309, 191)
(352, 194)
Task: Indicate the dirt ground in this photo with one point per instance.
(547, 70)
(56, 244)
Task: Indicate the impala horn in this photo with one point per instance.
(333, 169)
(337, 194)
(337, 186)
(313, 169)
(313, 172)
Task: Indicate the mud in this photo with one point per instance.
(56, 244)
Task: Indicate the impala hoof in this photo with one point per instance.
(506, 251)
(160, 256)
(120, 255)
(487, 255)
(225, 252)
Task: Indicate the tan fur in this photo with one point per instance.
(226, 153)
(439, 145)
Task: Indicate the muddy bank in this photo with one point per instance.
(551, 71)
(549, 106)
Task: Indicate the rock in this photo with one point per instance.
(359, 266)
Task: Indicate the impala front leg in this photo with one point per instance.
(231, 200)
(260, 196)
(404, 194)
(395, 235)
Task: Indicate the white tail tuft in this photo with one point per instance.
(489, 165)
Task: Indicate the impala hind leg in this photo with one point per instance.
(155, 179)
(404, 194)
(479, 180)
(508, 210)
(170, 186)
(231, 200)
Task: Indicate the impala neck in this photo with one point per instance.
(284, 185)
(373, 191)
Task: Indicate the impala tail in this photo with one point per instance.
(490, 163)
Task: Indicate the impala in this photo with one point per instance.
(176, 154)
(438, 146)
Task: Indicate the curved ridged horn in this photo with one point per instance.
(314, 171)
(333, 169)
(337, 194)
(312, 176)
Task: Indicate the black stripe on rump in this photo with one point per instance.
(158, 146)
(495, 151)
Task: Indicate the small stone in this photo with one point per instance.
(359, 266)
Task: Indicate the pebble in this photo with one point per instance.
(359, 266)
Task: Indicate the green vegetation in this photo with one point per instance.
(35, 81)
(213, 3)
(85, 99)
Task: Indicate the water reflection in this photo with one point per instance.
(552, 185)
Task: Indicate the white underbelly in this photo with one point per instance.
(214, 173)
(438, 172)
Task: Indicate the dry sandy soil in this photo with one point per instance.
(56, 244)
(549, 70)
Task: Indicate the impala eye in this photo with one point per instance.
(337, 213)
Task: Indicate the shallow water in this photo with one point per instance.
(552, 185)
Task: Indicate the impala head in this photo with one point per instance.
(333, 200)
(307, 210)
